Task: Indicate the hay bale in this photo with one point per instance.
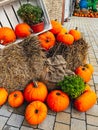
(75, 54)
(20, 63)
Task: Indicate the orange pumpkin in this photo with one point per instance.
(7, 35)
(3, 95)
(87, 88)
(75, 33)
(22, 30)
(57, 100)
(85, 101)
(35, 91)
(36, 112)
(56, 27)
(84, 73)
(15, 99)
(47, 40)
(90, 67)
(59, 35)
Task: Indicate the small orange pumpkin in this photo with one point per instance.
(7, 35)
(57, 100)
(90, 67)
(35, 91)
(3, 95)
(56, 27)
(59, 35)
(84, 73)
(47, 40)
(22, 30)
(85, 101)
(87, 88)
(15, 99)
(36, 112)
(75, 33)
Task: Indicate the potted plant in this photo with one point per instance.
(32, 15)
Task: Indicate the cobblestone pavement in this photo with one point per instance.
(70, 119)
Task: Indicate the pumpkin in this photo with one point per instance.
(47, 40)
(59, 35)
(75, 33)
(87, 88)
(35, 91)
(3, 95)
(85, 101)
(35, 112)
(56, 27)
(15, 98)
(90, 67)
(84, 73)
(22, 30)
(57, 100)
(67, 39)
(7, 35)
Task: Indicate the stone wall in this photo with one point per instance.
(54, 8)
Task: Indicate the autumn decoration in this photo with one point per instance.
(35, 91)
(85, 101)
(47, 40)
(3, 95)
(7, 35)
(57, 100)
(15, 99)
(36, 112)
(22, 30)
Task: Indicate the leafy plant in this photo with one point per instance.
(73, 85)
(30, 14)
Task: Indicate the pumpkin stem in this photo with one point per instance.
(35, 84)
(15, 95)
(83, 68)
(76, 28)
(58, 93)
(36, 111)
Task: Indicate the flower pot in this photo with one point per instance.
(38, 27)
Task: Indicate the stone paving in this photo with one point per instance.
(70, 119)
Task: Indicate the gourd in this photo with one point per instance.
(3, 95)
(47, 40)
(57, 100)
(35, 112)
(15, 99)
(35, 91)
(7, 35)
(85, 101)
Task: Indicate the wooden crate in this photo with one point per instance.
(9, 17)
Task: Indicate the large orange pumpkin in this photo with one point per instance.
(84, 73)
(35, 112)
(57, 100)
(75, 33)
(22, 30)
(7, 35)
(35, 91)
(15, 98)
(56, 27)
(3, 95)
(85, 101)
(47, 40)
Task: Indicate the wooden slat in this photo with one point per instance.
(11, 15)
(4, 2)
(3, 18)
